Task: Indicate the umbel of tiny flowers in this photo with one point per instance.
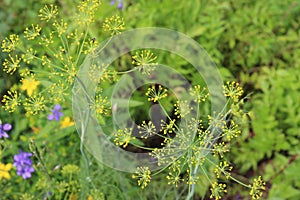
(144, 60)
(3, 129)
(143, 176)
(56, 114)
(115, 24)
(23, 164)
(187, 155)
(257, 187)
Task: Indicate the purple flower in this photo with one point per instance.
(3, 129)
(23, 164)
(120, 3)
(48, 194)
(56, 114)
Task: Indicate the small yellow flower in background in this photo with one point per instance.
(69, 169)
(66, 122)
(4, 170)
(174, 177)
(36, 130)
(59, 90)
(91, 47)
(29, 84)
(192, 180)
(89, 197)
(145, 57)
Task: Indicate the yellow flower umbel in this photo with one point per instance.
(200, 93)
(29, 84)
(4, 170)
(46, 39)
(69, 169)
(32, 32)
(11, 100)
(223, 168)
(233, 90)
(29, 55)
(147, 129)
(66, 122)
(167, 128)
(220, 149)
(231, 131)
(144, 61)
(217, 190)
(100, 105)
(156, 94)
(60, 26)
(174, 174)
(114, 25)
(10, 43)
(123, 137)
(59, 90)
(11, 65)
(48, 12)
(257, 187)
(86, 11)
(143, 176)
(101, 73)
(182, 108)
(34, 105)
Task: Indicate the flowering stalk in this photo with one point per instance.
(195, 144)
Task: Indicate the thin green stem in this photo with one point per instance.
(125, 72)
(145, 148)
(81, 46)
(108, 41)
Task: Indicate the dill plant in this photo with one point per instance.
(47, 58)
(196, 147)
